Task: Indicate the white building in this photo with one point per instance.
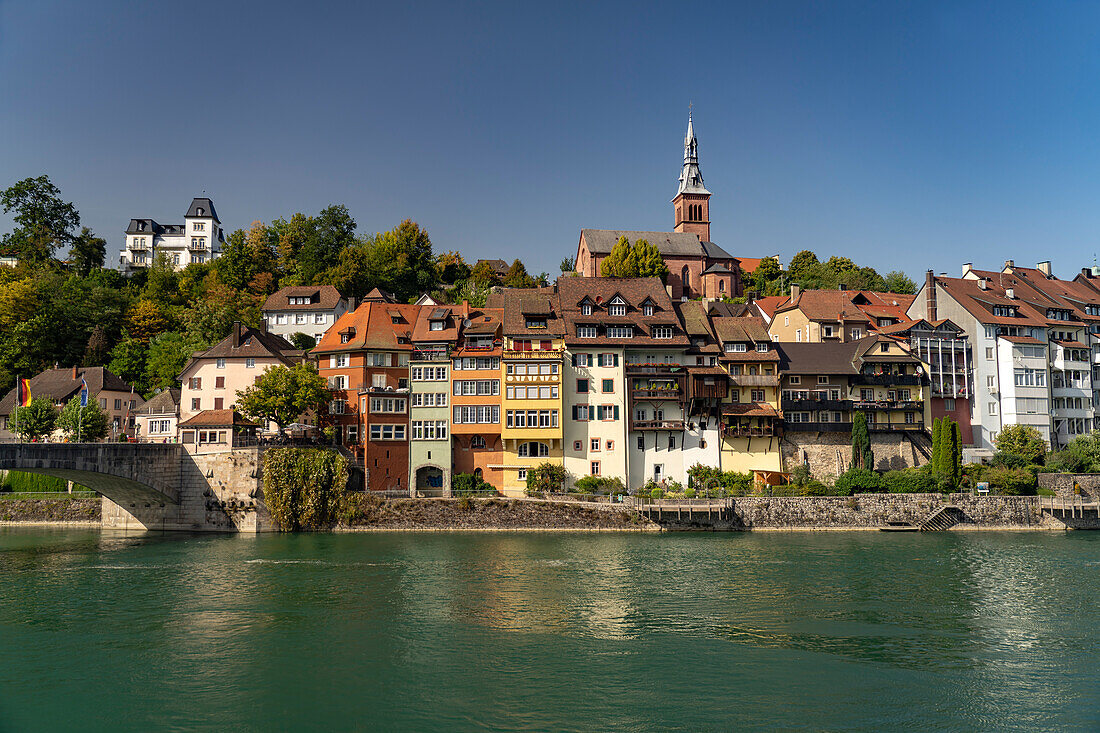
(308, 309)
(198, 239)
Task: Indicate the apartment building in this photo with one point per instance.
(199, 239)
(434, 336)
(477, 445)
(625, 384)
(212, 379)
(365, 357)
(305, 309)
(751, 415)
(157, 419)
(707, 384)
(815, 316)
(1008, 336)
(532, 368)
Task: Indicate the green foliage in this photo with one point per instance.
(167, 355)
(640, 259)
(246, 255)
(1011, 481)
(302, 341)
(954, 466)
(897, 282)
(657, 493)
(709, 481)
(43, 220)
(937, 431)
(909, 481)
(87, 252)
(1082, 455)
(568, 265)
(689, 493)
(803, 264)
(282, 394)
(399, 261)
(467, 483)
(97, 350)
(36, 420)
(128, 362)
(862, 457)
(545, 477)
(1023, 441)
(766, 273)
(304, 487)
(857, 481)
(517, 276)
(87, 424)
(31, 483)
(599, 485)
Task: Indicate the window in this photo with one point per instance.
(621, 332)
(822, 380)
(595, 468)
(757, 395)
(736, 348)
(762, 347)
(795, 379)
(662, 332)
(884, 348)
(118, 404)
(318, 318)
(607, 412)
(337, 407)
(535, 322)
(250, 363)
(594, 444)
(586, 332)
(388, 404)
(200, 226)
(477, 414)
(992, 408)
(533, 449)
(387, 432)
(949, 405)
(435, 325)
(220, 363)
(378, 381)
(219, 382)
(586, 309)
(280, 318)
(608, 385)
(989, 352)
(798, 334)
(522, 474)
(477, 442)
(582, 386)
(299, 318)
(617, 307)
(338, 382)
(195, 404)
(193, 383)
(577, 446)
(910, 418)
(582, 360)
(786, 320)
(429, 429)
(827, 331)
(647, 310)
(219, 403)
(857, 333)
(608, 360)
(641, 442)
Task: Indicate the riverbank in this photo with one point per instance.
(365, 513)
(64, 512)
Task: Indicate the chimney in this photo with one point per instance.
(795, 292)
(983, 284)
(237, 333)
(351, 304)
(750, 297)
(967, 267)
(75, 375)
(1086, 271)
(465, 309)
(1010, 293)
(668, 289)
(263, 325)
(1044, 267)
(930, 295)
(1009, 264)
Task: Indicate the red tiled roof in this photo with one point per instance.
(1021, 340)
(323, 297)
(218, 419)
(749, 409)
(372, 326)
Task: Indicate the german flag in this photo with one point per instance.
(22, 392)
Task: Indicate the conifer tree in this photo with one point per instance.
(956, 454)
(937, 440)
(861, 443)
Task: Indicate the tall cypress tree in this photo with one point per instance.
(937, 440)
(861, 441)
(956, 454)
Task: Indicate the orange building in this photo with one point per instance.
(476, 396)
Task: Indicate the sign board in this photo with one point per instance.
(983, 487)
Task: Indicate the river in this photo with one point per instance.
(549, 631)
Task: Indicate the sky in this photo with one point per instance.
(904, 135)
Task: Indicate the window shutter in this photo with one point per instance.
(616, 412)
(574, 412)
(332, 362)
(573, 357)
(616, 360)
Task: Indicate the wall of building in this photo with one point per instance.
(237, 375)
(829, 454)
(578, 435)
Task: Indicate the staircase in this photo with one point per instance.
(922, 443)
(945, 517)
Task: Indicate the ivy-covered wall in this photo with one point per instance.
(304, 487)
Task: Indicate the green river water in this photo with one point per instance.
(549, 631)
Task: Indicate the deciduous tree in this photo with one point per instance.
(86, 424)
(43, 220)
(36, 419)
(283, 394)
(87, 252)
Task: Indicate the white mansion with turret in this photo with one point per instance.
(198, 239)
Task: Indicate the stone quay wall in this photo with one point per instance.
(871, 511)
(1067, 485)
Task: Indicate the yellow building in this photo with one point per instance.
(751, 417)
(532, 422)
(821, 316)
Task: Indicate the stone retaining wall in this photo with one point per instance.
(869, 511)
(1064, 484)
(826, 451)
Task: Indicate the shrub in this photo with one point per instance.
(587, 485)
(858, 480)
(657, 493)
(1011, 481)
(689, 493)
(909, 481)
(465, 503)
(469, 483)
(1009, 460)
(814, 487)
(1023, 441)
(800, 475)
(675, 487)
(32, 483)
(613, 486)
(545, 477)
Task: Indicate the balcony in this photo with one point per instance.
(887, 405)
(745, 431)
(430, 355)
(657, 394)
(819, 427)
(887, 380)
(755, 380)
(657, 425)
(895, 427)
(545, 354)
(811, 405)
(656, 369)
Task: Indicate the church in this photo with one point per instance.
(697, 267)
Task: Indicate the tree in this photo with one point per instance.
(128, 361)
(517, 276)
(640, 259)
(283, 394)
(937, 442)
(246, 256)
(840, 264)
(87, 252)
(167, 356)
(862, 457)
(96, 351)
(400, 261)
(36, 419)
(145, 320)
(545, 477)
(452, 267)
(1023, 441)
(897, 282)
(766, 272)
(43, 221)
(484, 275)
(568, 265)
(87, 424)
(956, 454)
(303, 341)
(802, 264)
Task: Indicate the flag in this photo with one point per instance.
(23, 392)
(83, 392)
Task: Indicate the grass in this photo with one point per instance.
(30, 482)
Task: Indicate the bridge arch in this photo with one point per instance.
(125, 473)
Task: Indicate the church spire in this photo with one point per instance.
(691, 179)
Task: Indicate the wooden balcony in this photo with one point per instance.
(657, 425)
(887, 380)
(755, 380)
(545, 355)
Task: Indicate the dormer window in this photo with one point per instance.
(617, 307)
(662, 332)
(535, 322)
(586, 309)
(436, 325)
(762, 347)
(732, 348)
(647, 309)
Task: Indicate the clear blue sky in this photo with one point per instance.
(903, 135)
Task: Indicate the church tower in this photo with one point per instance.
(692, 202)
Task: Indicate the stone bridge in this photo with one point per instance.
(154, 486)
